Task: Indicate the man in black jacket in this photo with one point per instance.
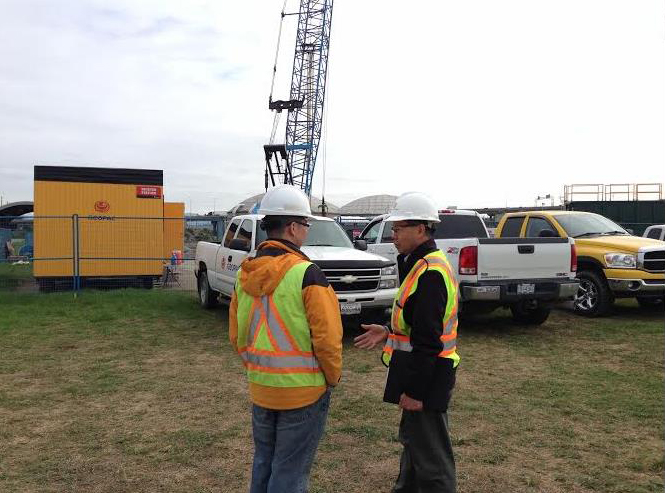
(425, 310)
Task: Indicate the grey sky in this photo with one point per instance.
(477, 103)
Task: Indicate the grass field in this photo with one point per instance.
(132, 391)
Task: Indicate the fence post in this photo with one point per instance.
(76, 254)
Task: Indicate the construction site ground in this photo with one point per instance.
(133, 390)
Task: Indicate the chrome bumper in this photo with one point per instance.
(568, 290)
(481, 293)
(565, 290)
(381, 298)
(636, 285)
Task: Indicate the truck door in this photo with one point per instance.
(233, 257)
(371, 234)
(221, 257)
(539, 227)
(385, 246)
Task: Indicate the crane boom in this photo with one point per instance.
(307, 97)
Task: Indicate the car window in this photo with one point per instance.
(512, 227)
(538, 224)
(371, 232)
(231, 232)
(387, 235)
(245, 232)
(460, 226)
(654, 233)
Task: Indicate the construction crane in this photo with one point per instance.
(294, 161)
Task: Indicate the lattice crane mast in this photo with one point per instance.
(294, 161)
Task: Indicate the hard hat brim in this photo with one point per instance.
(402, 217)
(269, 212)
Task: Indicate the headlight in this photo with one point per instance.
(388, 284)
(389, 271)
(620, 260)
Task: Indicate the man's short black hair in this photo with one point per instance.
(429, 227)
(275, 225)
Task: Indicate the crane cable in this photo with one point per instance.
(275, 121)
(279, 40)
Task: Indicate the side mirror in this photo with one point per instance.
(360, 245)
(547, 233)
(240, 244)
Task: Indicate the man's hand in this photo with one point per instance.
(409, 404)
(375, 334)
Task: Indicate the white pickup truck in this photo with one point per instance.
(365, 283)
(526, 275)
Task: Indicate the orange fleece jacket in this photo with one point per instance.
(261, 276)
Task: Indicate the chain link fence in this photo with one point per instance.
(75, 253)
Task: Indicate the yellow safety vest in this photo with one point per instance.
(400, 339)
(274, 339)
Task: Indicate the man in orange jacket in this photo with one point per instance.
(284, 322)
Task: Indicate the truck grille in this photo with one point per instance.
(654, 261)
(350, 280)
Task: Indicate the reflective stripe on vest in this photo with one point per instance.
(286, 356)
(274, 338)
(399, 339)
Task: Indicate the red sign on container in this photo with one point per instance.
(144, 192)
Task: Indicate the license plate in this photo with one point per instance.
(349, 308)
(526, 288)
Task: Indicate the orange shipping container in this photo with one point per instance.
(119, 230)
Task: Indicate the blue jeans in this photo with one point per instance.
(285, 443)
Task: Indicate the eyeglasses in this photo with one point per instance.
(307, 225)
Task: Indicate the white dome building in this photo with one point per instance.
(372, 205)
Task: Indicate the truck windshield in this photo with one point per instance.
(459, 226)
(327, 233)
(578, 225)
(321, 233)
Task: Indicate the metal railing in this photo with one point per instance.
(612, 192)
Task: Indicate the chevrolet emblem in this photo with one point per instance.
(348, 279)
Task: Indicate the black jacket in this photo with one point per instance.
(427, 374)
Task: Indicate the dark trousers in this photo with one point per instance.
(427, 464)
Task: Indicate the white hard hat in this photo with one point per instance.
(414, 206)
(285, 200)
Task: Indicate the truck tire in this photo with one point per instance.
(530, 312)
(594, 297)
(651, 303)
(207, 296)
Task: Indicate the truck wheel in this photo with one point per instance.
(530, 312)
(594, 297)
(207, 297)
(651, 303)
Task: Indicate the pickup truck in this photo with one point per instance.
(525, 275)
(611, 262)
(365, 283)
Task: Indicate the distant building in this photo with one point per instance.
(372, 205)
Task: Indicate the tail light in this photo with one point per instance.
(573, 258)
(468, 260)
